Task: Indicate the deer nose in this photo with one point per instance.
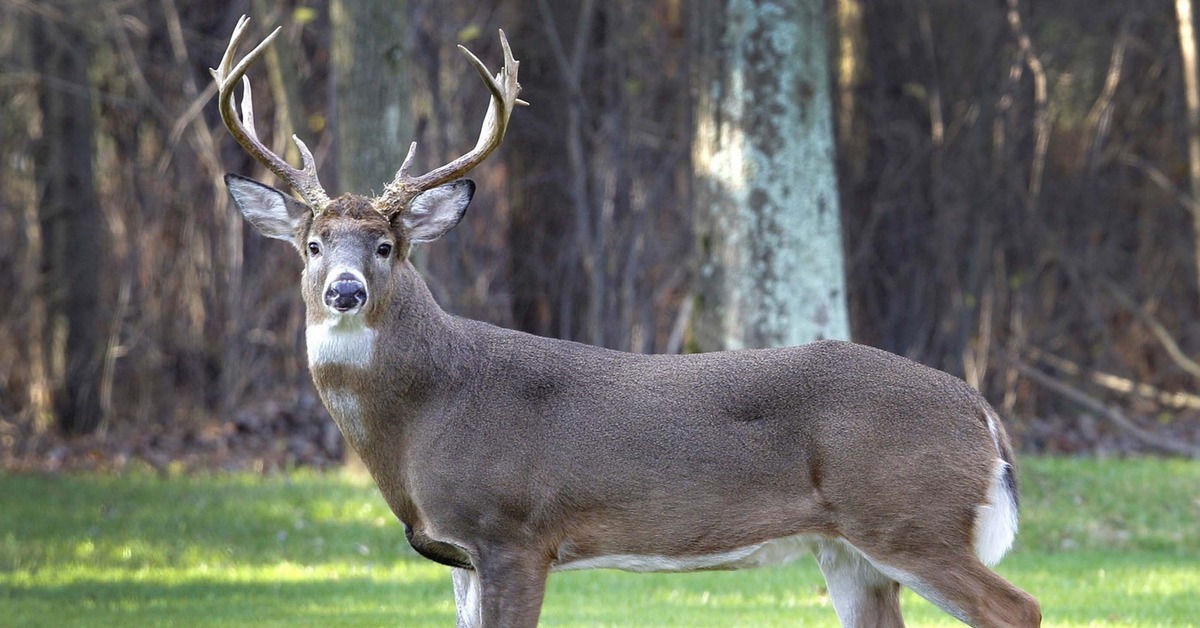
(345, 293)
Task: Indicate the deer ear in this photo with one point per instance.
(435, 211)
(273, 213)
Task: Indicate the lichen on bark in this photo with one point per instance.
(766, 188)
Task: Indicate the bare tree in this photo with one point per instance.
(370, 87)
(1191, 82)
(768, 228)
(72, 227)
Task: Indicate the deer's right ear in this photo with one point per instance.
(273, 213)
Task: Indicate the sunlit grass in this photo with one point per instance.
(1103, 543)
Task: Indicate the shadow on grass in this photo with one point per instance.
(144, 521)
(342, 601)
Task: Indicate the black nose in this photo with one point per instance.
(345, 293)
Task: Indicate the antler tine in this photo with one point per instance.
(227, 75)
(504, 89)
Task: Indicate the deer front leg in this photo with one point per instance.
(504, 590)
(466, 598)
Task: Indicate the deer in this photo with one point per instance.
(507, 456)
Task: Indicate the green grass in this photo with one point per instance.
(1103, 543)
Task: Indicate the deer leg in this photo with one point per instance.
(962, 586)
(466, 598)
(980, 596)
(511, 587)
(862, 596)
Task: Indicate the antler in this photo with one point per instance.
(504, 88)
(227, 75)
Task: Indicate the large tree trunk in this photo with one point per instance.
(370, 86)
(72, 229)
(768, 229)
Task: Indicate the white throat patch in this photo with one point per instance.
(340, 340)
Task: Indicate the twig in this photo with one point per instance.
(1160, 332)
(1160, 178)
(1099, 118)
(1114, 415)
(1042, 115)
(679, 328)
(1176, 400)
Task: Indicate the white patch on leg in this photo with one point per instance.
(996, 521)
(847, 578)
(850, 575)
(346, 410)
(466, 598)
(344, 340)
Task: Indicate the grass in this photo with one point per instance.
(1103, 543)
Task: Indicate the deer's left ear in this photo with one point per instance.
(435, 211)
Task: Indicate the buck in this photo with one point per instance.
(508, 456)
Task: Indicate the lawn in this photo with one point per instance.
(1103, 543)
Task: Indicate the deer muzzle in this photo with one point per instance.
(346, 293)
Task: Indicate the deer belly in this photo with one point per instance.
(768, 553)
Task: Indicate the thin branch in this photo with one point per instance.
(1116, 383)
(1115, 416)
(1099, 118)
(683, 320)
(1042, 115)
(189, 115)
(1160, 332)
(1160, 178)
(130, 63)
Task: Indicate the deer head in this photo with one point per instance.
(352, 246)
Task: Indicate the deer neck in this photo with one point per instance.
(378, 373)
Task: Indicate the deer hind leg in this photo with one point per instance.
(962, 586)
(861, 594)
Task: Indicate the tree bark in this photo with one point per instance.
(768, 229)
(72, 229)
(370, 87)
(1191, 83)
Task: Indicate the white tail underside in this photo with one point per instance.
(996, 521)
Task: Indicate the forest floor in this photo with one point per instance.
(285, 432)
(1103, 543)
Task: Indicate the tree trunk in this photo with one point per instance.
(370, 87)
(1191, 82)
(72, 229)
(768, 229)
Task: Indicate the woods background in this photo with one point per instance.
(1017, 185)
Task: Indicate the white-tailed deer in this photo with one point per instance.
(508, 456)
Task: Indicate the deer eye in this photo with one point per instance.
(314, 248)
(384, 249)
